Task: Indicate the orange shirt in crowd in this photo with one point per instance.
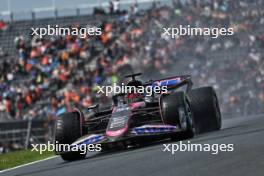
(28, 67)
(34, 53)
(108, 28)
(105, 37)
(65, 56)
(63, 77)
(71, 96)
(75, 97)
(3, 25)
(45, 60)
(8, 106)
(28, 99)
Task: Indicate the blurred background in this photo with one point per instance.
(41, 78)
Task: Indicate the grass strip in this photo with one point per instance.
(17, 158)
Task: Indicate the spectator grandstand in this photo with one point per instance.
(43, 77)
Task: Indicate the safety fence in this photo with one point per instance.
(20, 134)
(59, 10)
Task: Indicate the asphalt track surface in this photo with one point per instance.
(247, 159)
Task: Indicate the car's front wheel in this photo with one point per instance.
(67, 130)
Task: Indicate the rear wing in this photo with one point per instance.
(172, 82)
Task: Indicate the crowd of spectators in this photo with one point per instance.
(234, 65)
(49, 76)
(55, 72)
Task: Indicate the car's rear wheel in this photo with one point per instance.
(67, 130)
(176, 111)
(205, 108)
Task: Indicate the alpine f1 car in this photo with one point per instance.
(180, 113)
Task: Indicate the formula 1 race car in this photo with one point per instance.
(178, 114)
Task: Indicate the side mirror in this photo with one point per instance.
(93, 107)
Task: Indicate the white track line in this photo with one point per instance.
(27, 164)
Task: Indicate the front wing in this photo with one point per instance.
(145, 130)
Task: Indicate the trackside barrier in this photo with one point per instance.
(25, 132)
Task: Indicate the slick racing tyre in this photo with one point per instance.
(205, 109)
(176, 111)
(67, 130)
